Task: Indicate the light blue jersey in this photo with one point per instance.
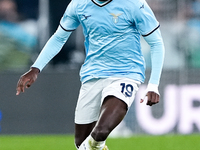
(112, 31)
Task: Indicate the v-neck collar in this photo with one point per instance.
(101, 3)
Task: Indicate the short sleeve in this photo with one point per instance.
(144, 18)
(69, 21)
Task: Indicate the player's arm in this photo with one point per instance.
(68, 23)
(157, 58)
(148, 26)
(52, 48)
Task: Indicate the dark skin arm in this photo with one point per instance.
(152, 98)
(27, 79)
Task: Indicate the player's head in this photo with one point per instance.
(8, 10)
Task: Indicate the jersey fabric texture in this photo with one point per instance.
(112, 36)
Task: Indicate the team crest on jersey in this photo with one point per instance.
(116, 17)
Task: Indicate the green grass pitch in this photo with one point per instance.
(65, 142)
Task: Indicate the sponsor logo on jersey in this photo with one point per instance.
(86, 17)
(142, 6)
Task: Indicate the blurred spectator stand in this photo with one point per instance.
(17, 41)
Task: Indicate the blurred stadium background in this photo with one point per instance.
(48, 107)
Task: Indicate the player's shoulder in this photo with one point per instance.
(135, 3)
(76, 2)
(73, 2)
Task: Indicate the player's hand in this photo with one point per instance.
(27, 79)
(152, 94)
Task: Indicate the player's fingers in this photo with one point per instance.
(29, 83)
(21, 85)
(157, 98)
(149, 100)
(153, 98)
(18, 92)
(144, 97)
(149, 103)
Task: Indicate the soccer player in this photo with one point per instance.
(114, 66)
